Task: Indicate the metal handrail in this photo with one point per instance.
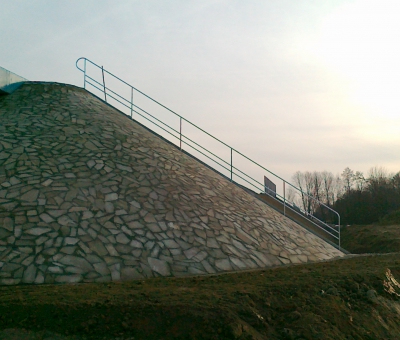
(183, 139)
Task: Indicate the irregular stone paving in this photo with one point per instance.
(88, 195)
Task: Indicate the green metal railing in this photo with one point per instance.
(225, 167)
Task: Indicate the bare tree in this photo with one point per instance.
(338, 187)
(396, 181)
(359, 180)
(328, 187)
(305, 182)
(317, 185)
(348, 178)
(377, 176)
(291, 194)
(310, 186)
(317, 193)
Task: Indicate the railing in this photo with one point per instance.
(166, 117)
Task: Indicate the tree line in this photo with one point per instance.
(357, 198)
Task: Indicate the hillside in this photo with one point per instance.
(92, 199)
(342, 299)
(90, 195)
(374, 238)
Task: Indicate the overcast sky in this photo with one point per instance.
(293, 84)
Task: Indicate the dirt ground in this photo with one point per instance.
(353, 298)
(371, 238)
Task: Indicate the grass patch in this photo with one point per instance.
(329, 300)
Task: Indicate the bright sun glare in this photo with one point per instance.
(361, 41)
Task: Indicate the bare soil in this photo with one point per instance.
(360, 239)
(343, 299)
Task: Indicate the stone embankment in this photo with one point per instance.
(89, 195)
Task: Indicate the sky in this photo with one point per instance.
(292, 84)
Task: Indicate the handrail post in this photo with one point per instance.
(104, 84)
(339, 229)
(284, 199)
(84, 74)
(131, 101)
(180, 133)
(231, 164)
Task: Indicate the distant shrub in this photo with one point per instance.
(391, 218)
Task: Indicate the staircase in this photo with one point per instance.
(218, 155)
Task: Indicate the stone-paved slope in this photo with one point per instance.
(87, 194)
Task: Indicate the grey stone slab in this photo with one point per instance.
(122, 238)
(223, 264)
(111, 197)
(239, 246)
(249, 263)
(111, 250)
(55, 270)
(135, 225)
(149, 218)
(245, 237)
(217, 253)
(42, 239)
(123, 249)
(126, 230)
(87, 214)
(102, 268)
(39, 278)
(195, 271)
(136, 244)
(30, 196)
(267, 259)
(9, 281)
(46, 218)
(159, 266)
(189, 253)
(98, 247)
(92, 258)
(68, 250)
(74, 270)
(8, 224)
(153, 227)
(75, 278)
(208, 267)
(129, 273)
(75, 261)
(124, 167)
(170, 243)
(115, 270)
(66, 221)
(70, 241)
(109, 207)
(229, 249)
(4, 233)
(149, 245)
(223, 239)
(237, 262)
(212, 243)
(29, 274)
(200, 256)
(56, 212)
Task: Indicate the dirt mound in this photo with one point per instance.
(353, 298)
(371, 239)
